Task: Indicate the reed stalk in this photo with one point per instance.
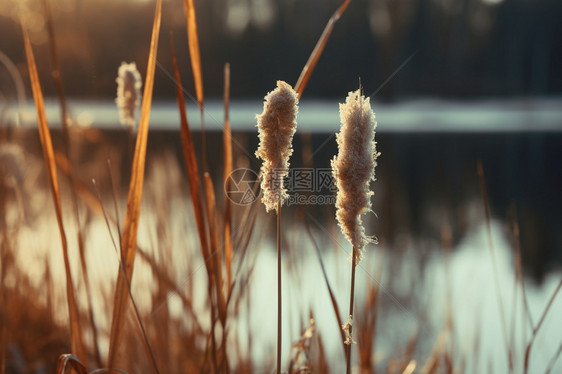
(77, 344)
(350, 321)
(130, 228)
(276, 126)
(279, 295)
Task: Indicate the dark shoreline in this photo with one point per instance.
(425, 181)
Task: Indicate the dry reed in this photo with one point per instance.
(276, 126)
(354, 168)
(49, 158)
(130, 228)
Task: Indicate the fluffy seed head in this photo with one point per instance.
(276, 127)
(354, 168)
(128, 92)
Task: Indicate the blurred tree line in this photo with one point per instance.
(450, 48)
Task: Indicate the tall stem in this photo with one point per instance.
(279, 287)
(351, 296)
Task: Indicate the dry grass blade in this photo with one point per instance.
(322, 362)
(106, 218)
(57, 78)
(70, 363)
(553, 360)
(49, 157)
(227, 147)
(332, 296)
(86, 280)
(55, 70)
(432, 363)
(366, 335)
(160, 275)
(215, 262)
(190, 159)
(538, 326)
(446, 243)
(215, 256)
(410, 368)
(242, 242)
(519, 271)
(81, 189)
(410, 348)
(318, 49)
(242, 237)
(114, 195)
(165, 279)
(194, 186)
(545, 312)
(2, 338)
(4, 253)
(194, 54)
(64, 165)
(129, 241)
(482, 179)
(147, 346)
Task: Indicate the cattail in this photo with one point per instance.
(354, 167)
(128, 92)
(276, 126)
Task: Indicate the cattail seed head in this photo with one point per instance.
(276, 127)
(354, 168)
(128, 92)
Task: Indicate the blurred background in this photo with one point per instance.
(455, 48)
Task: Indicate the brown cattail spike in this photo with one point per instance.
(354, 168)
